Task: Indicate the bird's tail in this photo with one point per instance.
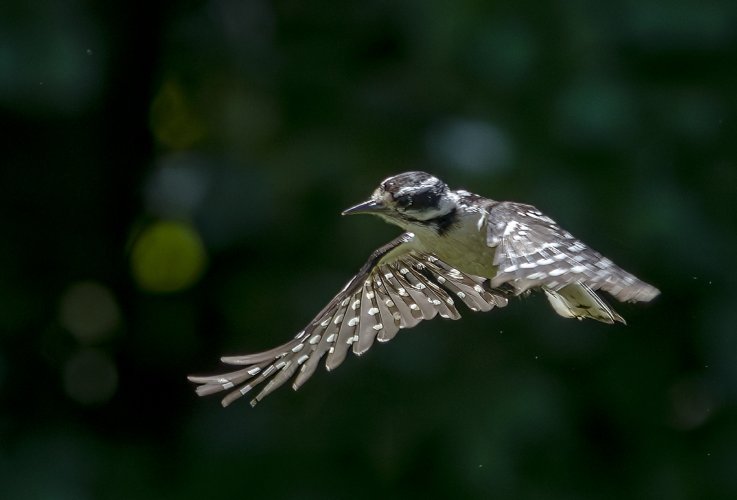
(579, 301)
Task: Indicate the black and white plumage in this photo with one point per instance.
(457, 246)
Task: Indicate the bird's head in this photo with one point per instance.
(408, 199)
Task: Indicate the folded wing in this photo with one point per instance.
(533, 251)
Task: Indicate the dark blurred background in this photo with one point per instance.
(172, 178)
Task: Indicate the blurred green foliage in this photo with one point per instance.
(141, 143)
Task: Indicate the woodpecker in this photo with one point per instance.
(456, 246)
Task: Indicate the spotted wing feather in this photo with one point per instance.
(534, 251)
(397, 288)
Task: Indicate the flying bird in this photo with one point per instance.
(456, 246)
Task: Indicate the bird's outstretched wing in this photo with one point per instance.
(533, 251)
(397, 288)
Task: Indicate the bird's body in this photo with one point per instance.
(462, 243)
(457, 245)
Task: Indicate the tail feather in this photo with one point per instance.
(579, 301)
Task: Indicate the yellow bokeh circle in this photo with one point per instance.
(167, 256)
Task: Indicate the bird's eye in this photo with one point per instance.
(425, 199)
(403, 201)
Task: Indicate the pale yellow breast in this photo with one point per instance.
(463, 246)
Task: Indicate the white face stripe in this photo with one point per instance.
(427, 183)
(447, 201)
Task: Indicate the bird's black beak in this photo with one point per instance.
(367, 207)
